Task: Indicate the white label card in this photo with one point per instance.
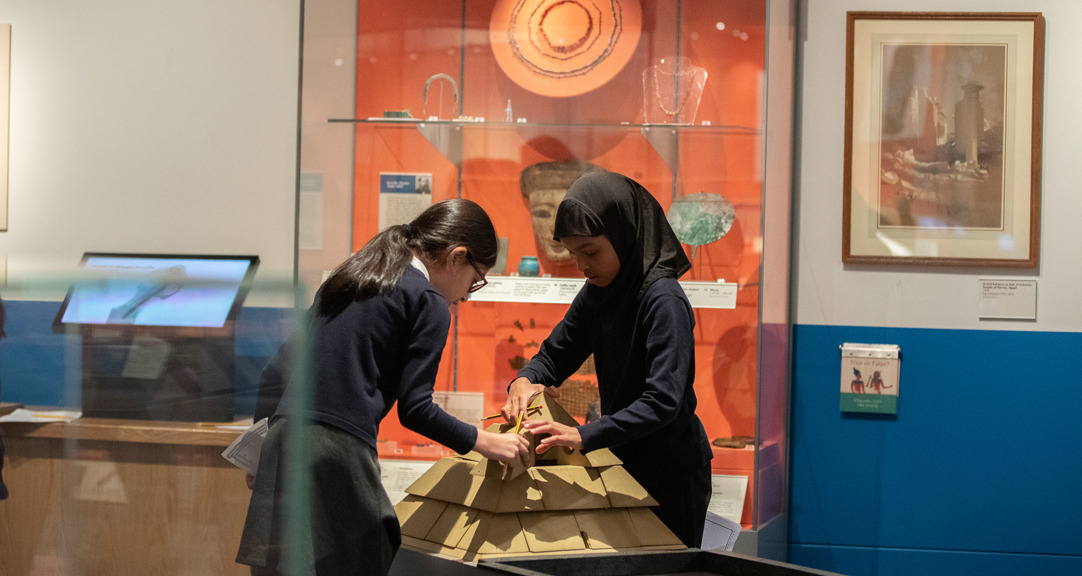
(727, 498)
(1007, 299)
(563, 291)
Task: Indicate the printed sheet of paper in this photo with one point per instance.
(402, 197)
(727, 498)
(397, 475)
(41, 416)
(720, 533)
(244, 451)
(468, 407)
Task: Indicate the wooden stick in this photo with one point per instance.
(529, 410)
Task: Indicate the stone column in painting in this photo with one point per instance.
(969, 122)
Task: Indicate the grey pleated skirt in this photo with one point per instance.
(332, 517)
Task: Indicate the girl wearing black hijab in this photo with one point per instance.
(635, 319)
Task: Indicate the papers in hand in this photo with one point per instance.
(244, 451)
(720, 533)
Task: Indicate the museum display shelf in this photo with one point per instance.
(446, 135)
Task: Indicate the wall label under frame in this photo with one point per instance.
(870, 378)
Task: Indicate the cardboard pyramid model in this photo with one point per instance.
(468, 508)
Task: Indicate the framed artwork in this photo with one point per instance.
(943, 139)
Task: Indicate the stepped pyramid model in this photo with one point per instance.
(469, 508)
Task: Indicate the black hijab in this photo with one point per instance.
(619, 208)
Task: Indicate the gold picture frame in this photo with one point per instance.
(943, 139)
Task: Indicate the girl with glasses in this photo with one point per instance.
(377, 328)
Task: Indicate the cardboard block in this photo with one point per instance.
(569, 487)
(542, 408)
(487, 468)
(451, 525)
(433, 476)
(496, 534)
(450, 480)
(472, 456)
(607, 529)
(650, 530)
(470, 533)
(502, 496)
(564, 456)
(551, 531)
(552, 411)
(595, 459)
(622, 490)
(417, 515)
(465, 507)
(432, 547)
(491, 469)
(603, 457)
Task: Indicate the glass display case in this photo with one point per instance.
(113, 447)
(505, 102)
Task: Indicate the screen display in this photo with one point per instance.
(157, 290)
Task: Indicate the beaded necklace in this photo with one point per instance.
(681, 76)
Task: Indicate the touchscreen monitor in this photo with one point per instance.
(157, 290)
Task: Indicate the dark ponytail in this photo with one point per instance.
(377, 267)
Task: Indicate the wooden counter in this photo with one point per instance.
(119, 497)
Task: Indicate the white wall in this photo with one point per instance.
(829, 294)
(151, 126)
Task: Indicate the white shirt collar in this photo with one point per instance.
(416, 263)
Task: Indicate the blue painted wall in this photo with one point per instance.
(38, 367)
(980, 472)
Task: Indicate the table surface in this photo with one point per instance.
(120, 430)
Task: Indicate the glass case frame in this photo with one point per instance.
(368, 63)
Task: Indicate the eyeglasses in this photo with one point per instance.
(480, 283)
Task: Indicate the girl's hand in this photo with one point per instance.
(519, 395)
(508, 448)
(558, 434)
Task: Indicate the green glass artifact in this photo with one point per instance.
(701, 218)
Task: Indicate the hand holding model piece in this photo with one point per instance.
(557, 435)
(520, 394)
(506, 448)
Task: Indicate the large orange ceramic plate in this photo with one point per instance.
(564, 48)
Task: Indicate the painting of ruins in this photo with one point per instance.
(941, 139)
